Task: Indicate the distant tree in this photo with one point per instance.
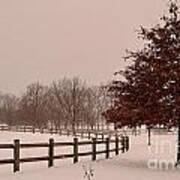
(59, 104)
(89, 114)
(100, 101)
(150, 94)
(68, 95)
(1, 102)
(73, 103)
(33, 105)
(8, 109)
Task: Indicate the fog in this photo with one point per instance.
(44, 40)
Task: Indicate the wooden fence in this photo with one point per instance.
(84, 133)
(121, 144)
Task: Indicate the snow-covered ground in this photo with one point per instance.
(141, 162)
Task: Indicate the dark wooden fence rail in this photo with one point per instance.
(121, 144)
(4, 128)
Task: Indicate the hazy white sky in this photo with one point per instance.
(47, 39)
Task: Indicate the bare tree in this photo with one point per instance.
(73, 103)
(33, 105)
(94, 104)
(68, 98)
(8, 109)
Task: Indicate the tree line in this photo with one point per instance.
(67, 103)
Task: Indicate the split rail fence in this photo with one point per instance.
(121, 145)
(83, 133)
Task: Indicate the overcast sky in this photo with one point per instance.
(45, 40)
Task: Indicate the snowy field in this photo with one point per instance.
(141, 162)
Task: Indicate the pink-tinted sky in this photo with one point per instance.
(47, 39)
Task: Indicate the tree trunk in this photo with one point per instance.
(178, 147)
(149, 136)
(115, 126)
(73, 128)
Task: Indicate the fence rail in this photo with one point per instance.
(121, 144)
(83, 133)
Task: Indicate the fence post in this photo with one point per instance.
(89, 135)
(117, 145)
(75, 133)
(51, 130)
(75, 150)
(102, 136)
(16, 155)
(123, 144)
(42, 130)
(82, 134)
(96, 135)
(127, 142)
(33, 129)
(68, 132)
(107, 148)
(93, 149)
(149, 136)
(51, 153)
